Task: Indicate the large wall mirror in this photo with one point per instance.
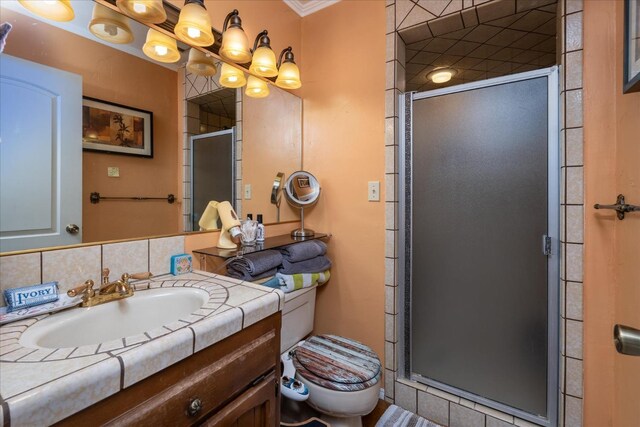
(208, 142)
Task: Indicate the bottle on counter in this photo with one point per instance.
(260, 234)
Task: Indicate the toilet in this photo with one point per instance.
(342, 376)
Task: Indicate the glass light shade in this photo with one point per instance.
(231, 77)
(110, 25)
(201, 64)
(235, 46)
(57, 10)
(150, 11)
(256, 88)
(289, 76)
(442, 75)
(161, 47)
(194, 25)
(264, 62)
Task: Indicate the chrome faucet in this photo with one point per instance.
(108, 291)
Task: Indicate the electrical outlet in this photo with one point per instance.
(247, 191)
(374, 191)
(113, 171)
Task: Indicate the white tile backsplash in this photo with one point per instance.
(71, 267)
(19, 270)
(160, 253)
(126, 257)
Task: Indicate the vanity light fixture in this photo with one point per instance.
(201, 63)
(231, 76)
(194, 24)
(264, 60)
(161, 47)
(110, 25)
(441, 75)
(235, 44)
(256, 88)
(289, 73)
(151, 11)
(56, 10)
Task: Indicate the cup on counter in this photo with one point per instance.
(249, 232)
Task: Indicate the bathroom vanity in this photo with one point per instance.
(216, 366)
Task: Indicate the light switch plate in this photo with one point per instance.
(247, 191)
(374, 191)
(113, 171)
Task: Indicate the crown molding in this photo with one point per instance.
(307, 8)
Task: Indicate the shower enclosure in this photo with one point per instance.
(212, 170)
(480, 221)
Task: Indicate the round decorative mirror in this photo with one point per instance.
(302, 190)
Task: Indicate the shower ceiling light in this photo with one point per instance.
(110, 25)
(194, 24)
(151, 11)
(235, 44)
(441, 75)
(56, 10)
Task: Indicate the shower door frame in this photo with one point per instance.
(405, 186)
(194, 138)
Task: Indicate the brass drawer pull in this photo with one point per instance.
(194, 407)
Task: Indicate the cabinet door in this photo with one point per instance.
(257, 407)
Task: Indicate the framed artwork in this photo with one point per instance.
(631, 82)
(115, 128)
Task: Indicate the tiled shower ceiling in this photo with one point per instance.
(221, 102)
(519, 42)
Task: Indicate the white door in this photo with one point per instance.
(40, 155)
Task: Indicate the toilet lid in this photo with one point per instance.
(337, 363)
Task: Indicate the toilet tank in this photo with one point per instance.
(297, 317)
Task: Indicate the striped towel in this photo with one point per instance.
(293, 282)
(395, 416)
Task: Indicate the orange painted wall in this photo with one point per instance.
(343, 73)
(271, 143)
(611, 271)
(114, 76)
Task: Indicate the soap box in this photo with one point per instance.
(29, 296)
(181, 264)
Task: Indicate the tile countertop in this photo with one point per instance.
(41, 386)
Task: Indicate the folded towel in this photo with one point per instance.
(255, 266)
(313, 265)
(304, 250)
(293, 282)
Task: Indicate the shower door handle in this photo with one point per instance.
(546, 245)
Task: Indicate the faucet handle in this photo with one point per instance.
(136, 276)
(86, 288)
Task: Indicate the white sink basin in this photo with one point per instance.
(144, 311)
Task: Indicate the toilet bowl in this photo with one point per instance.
(342, 376)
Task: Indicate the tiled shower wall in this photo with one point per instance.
(434, 404)
(195, 86)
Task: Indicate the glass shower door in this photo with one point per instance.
(480, 212)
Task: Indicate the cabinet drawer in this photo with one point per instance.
(215, 376)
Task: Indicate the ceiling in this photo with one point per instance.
(307, 7)
(220, 102)
(515, 43)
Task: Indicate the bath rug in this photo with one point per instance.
(311, 422)
(395, 416)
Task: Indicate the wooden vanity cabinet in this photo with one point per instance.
(231, 383)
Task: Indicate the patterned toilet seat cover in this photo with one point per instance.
(337, 363)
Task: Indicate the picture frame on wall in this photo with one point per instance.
(631, 82)
(116, 129)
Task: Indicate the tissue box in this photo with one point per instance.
(29, 296)
(181, 264)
